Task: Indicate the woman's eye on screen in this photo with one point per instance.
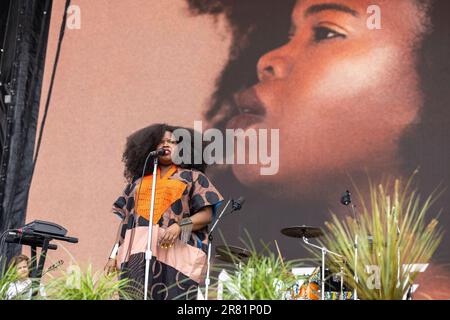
(320, 33)
(324, 33)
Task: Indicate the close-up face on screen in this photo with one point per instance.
(289, 129)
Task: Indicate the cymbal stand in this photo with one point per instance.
(324, 252)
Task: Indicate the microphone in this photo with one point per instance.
(237, 205)
(159, 152)
(27, 231)
(346, 198)
(22, 231)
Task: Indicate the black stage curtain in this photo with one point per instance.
(24, 27)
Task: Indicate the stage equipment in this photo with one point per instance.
(148, 252)
(346, 200)
(235, 206)
(302, 232)
(306, 233)
(232, 254)
(38, 234)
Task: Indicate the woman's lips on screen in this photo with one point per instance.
(243, 121)
(250, 110)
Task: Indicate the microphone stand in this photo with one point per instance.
(346, 200)
(148, 252)
(210, 239)
(398, 250)
(355, 291)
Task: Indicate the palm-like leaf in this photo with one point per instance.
(392, 232)
(87, 285)
(263, 276)
(9, 275)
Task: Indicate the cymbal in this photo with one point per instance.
(232, 254)
(302, 231)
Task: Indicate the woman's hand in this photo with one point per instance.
(170, 235)
(111, 266)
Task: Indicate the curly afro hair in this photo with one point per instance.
(140, 143)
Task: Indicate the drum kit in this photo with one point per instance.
(321, 274)
(318, 285)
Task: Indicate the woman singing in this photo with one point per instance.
(185, 202)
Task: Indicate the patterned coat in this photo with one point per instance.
(176, 272)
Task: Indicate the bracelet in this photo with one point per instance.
(184, 222)
(186, 229)
(114, 251)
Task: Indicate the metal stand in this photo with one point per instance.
(355, 293)
(322, 274)
(355, 276)
(342, 282)
(38, 267)
(398, 254)
(148, 252)
(36, 240)
(210, 239)
(346, 200)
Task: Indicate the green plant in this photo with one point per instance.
(393, 234)
(263, 276)
(76, 284)
(7, 277)
(10, 276)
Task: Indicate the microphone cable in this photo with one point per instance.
(50, 90)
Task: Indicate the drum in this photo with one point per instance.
(306, 288)
(305, 291)
(334, 295)
(309, 286)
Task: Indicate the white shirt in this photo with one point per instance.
(21, 289)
